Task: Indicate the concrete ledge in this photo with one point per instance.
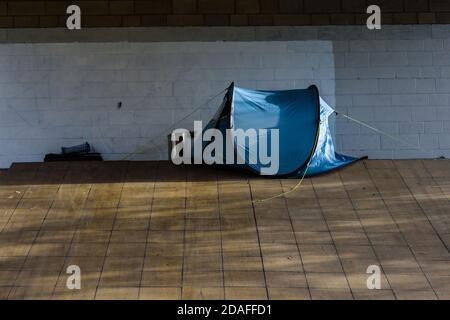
(210, 34)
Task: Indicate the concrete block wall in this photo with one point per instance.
(59, 94)
(399, 86)
(55, 95)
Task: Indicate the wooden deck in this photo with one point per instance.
(150, 230)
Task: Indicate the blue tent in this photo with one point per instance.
(301, 116)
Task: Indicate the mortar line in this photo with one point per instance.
(221, 234)
(332, 239)
(421, 206)
(401, 232)
(429, 221)
(257, 235)
(35, 238)
(183, 266)
(32, 242)
(296, 241)
(71, 241)
(364, 228)
(111, 231)
(147, 233)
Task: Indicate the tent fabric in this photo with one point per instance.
(300, 115)
(325, 158)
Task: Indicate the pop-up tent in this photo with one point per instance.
(301, 117)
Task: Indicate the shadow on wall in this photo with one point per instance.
(392, 80)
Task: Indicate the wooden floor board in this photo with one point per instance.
(150, 230)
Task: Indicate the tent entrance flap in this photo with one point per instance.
(300, 119)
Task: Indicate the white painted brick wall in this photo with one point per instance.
(53, 96)
(410, 98)
(60, 94)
